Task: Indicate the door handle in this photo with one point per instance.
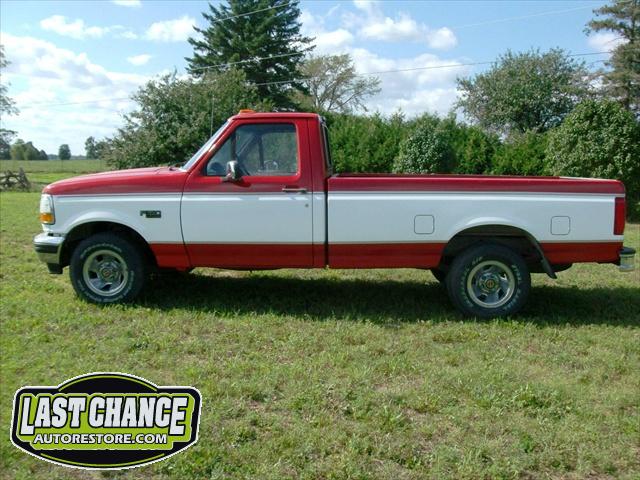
(294, 190)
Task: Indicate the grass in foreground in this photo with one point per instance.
(343, 374)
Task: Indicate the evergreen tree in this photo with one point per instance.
(236, 35)
(623, 82)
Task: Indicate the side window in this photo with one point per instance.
(260, 149)
(217, 166)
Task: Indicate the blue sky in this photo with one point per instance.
(75, 53)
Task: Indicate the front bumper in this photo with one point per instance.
(49, 250)
(627, 259)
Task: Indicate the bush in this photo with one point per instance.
(523, 154)
(598, 139)
(473, 149)
(427, 149)
(365, 143)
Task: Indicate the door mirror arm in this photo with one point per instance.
(233, 172)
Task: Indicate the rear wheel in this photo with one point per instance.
(488, 281)
(106, 268)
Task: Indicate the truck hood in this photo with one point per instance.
(137, 180)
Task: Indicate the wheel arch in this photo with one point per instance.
(87, 229)
(513, 237)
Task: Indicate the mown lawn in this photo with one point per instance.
(352, 374)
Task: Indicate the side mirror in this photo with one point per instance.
(233, 172)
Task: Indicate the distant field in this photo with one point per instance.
(342, 374)
(50, 166)
(42, 173)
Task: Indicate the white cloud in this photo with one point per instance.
(414, 91)
(387, 29)
(121, 32)
(431, 89)
(128, 3)
(441, 39)
(78, 30)
(43, 76)
(370, 7)
(331, 41)
(403, 28)
(138, 60)
(74, 29)
(605, 41)
(326, 42)
(178, 30)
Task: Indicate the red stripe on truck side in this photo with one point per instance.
(171, 255)
(385, 255)
(357, 255)
(242, 255)
(576, 252)
(471, 183)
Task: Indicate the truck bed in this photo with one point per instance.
(407, 220)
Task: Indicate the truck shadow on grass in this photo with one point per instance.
(378, 301)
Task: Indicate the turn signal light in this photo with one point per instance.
(46, 218)
(246, 110)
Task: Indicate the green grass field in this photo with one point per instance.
(41, 173)
(343, 374)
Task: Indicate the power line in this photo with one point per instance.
(33, 105)
(522, 17)
(431, 67)
(280, 82)
(489, 22)
(250, 13)
(247, 61)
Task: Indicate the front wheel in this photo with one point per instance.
(106, 268)
(488, 281)
(439, 275)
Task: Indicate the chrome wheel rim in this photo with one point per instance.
(105, 273)
(491, 284)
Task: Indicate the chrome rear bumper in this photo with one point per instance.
(627, 259)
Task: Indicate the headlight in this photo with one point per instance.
(47, 215)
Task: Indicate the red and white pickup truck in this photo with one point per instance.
(260, 194)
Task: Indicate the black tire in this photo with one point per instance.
(439, 275)
(488, 281)
(118, 259)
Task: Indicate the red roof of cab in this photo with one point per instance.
(267, 115)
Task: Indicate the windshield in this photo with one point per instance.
(204, 148)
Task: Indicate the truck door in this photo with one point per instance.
(262, 220)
